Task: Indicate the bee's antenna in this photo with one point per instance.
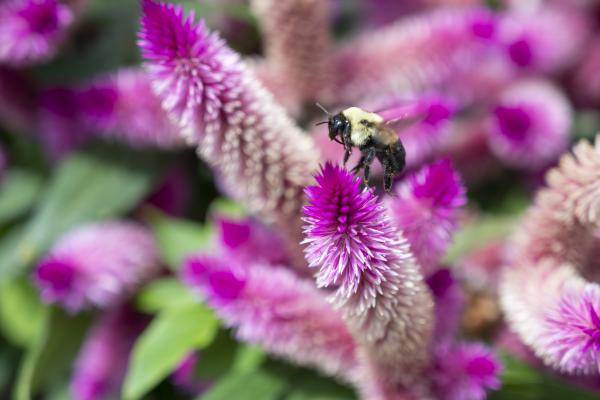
(321, 123)
(323, 108)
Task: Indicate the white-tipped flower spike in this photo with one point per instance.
(124, 106)
(272, 307)
(297, 44)
(549, 292)
(530, 124)
(379, 288)
(263, 158)
(31, 30)
(97, 264)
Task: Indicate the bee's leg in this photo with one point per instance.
(369, 156)
(347, 153)
(358, 166)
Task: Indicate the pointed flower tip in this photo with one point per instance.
(441, 183)
(573, 334)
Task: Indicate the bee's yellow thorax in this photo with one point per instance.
(359, 132)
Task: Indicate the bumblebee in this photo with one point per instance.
(355, 127)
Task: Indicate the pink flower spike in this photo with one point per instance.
(258, 151)
(449, 302)
(124, 106)
(31, 30)
(97, 265)
(464, 371)
(530, 125)
(426, 209)
(102, 361)
(272, 307)
(352, 241)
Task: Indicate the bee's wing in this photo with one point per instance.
(402, 116)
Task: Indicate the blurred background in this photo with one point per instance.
(85, 140)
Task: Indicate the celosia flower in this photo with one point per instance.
(434, 48)
(297, 44)
(554, 251)
(530, 124)
(586, 81)
(238, 128)
(30, 30)
(359, 252)
(481, 267)
(97, 264)
(464, 371)
(102, 361)
(449, 302)
(249, 241)
(123, 105)
(530, 42)
(574, 331)
(426, 208)
(272, 307)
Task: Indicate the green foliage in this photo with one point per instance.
(87, 186)
(521, 381)
(163, 293)
(250, 385)
(477, 233)
(21, 314)
(173, 333)
(50, 357)
(178, 238)
(18, 194)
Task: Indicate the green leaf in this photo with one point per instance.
(178, 238)
(479, 232)
(251, 385)
(521, 381)
(87, 186)
(248, 358)
(226, 207)
(50, 358)
(21, 313)
(171, 335)
(163, 293)
(18, 194)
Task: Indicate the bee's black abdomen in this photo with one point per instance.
(398, 155)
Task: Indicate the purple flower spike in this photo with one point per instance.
(263, 158)
(102, 362)
(97, 264)
(124, 106)
(573, 341)
(449, 302)
(30, 30)
(465, 371)
(352, 241)
(530, 125)
(272, 307)
(426, 210)
(249, 241)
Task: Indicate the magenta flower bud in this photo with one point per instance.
(257, 150)
(464, 371)
(97, 265)
(530, 124)
(272, 307)
(31, 30)
(102, 361)
(124, 106)
(426, 209)
(352, 242)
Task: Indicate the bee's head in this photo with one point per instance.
(337, 123)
